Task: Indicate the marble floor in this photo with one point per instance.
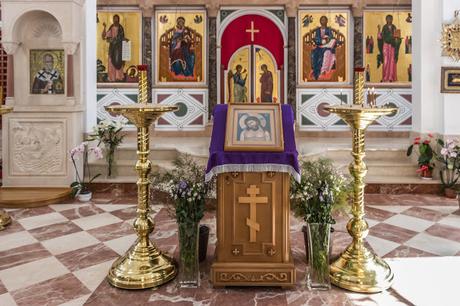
(60, 255)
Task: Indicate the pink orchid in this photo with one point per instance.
(98, 152)
(444, 151)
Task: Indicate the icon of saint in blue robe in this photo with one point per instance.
(323, 55)
(181, 52)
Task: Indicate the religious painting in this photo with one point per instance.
(267, 76)
(324, 40)
(254, 127)
(260, 70)
(119, 46)
(238, 77)
(450, 80)
(387, 43)
(180, 46)
(47, 72)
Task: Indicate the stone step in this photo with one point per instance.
(385, 168)
(128, 152)
(371, 155)
(414, 180)
(125, 169)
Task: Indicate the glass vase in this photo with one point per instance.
(111, 162)
(318, 256)
(189, 269)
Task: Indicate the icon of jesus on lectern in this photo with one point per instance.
(253, 128)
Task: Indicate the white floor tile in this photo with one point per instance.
(442, 209)
(372, 222)
(62, 207)
(426, 281)
(42, 220)
(16, 240)
(452, 220)
(92, 276)
(77, 302)
(381, 246)
(122, 244)
(94, 221)
(32, 273)
(113, 207)
(408, 222)
(7, 300)
(384, 298)
(434, 245)
(69, 242)
(391, 208)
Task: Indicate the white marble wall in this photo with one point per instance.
(434, 112)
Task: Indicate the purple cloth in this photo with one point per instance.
(222, 161)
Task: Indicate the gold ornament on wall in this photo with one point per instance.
(451, 38)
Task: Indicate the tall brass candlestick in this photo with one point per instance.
(5, 219)
(143, 266)
(357, 268)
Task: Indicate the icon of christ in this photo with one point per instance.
(323, 56)
(181, 50)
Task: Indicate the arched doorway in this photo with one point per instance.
(251, 58)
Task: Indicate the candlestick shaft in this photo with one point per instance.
(143, 87)
(358, 88)
(143, 224)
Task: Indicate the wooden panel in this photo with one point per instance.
(252, 241)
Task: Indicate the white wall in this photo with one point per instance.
(89, 77)
(434, 112)
(451, 101)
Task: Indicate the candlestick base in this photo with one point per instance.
(143, 266)
(5, 219)
(359, 270)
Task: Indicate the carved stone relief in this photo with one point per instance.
(37, 147)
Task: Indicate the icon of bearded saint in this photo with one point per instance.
(48, 80)
(253, 126)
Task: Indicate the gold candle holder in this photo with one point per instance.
(358, 269)
(5, 219)
(143, 265)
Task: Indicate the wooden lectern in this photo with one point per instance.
(253, 245)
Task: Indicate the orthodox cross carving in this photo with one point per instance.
(252, 31)
(253, 200)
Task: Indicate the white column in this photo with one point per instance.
(89, 58)
(427, 99)
(450, 101)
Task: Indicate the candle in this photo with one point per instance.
(341, 98)
(368, 96)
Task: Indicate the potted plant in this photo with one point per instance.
(108, 132)
(188, 190)
(80, 186)
(321, 191)
(449, 157)
(425, 156)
